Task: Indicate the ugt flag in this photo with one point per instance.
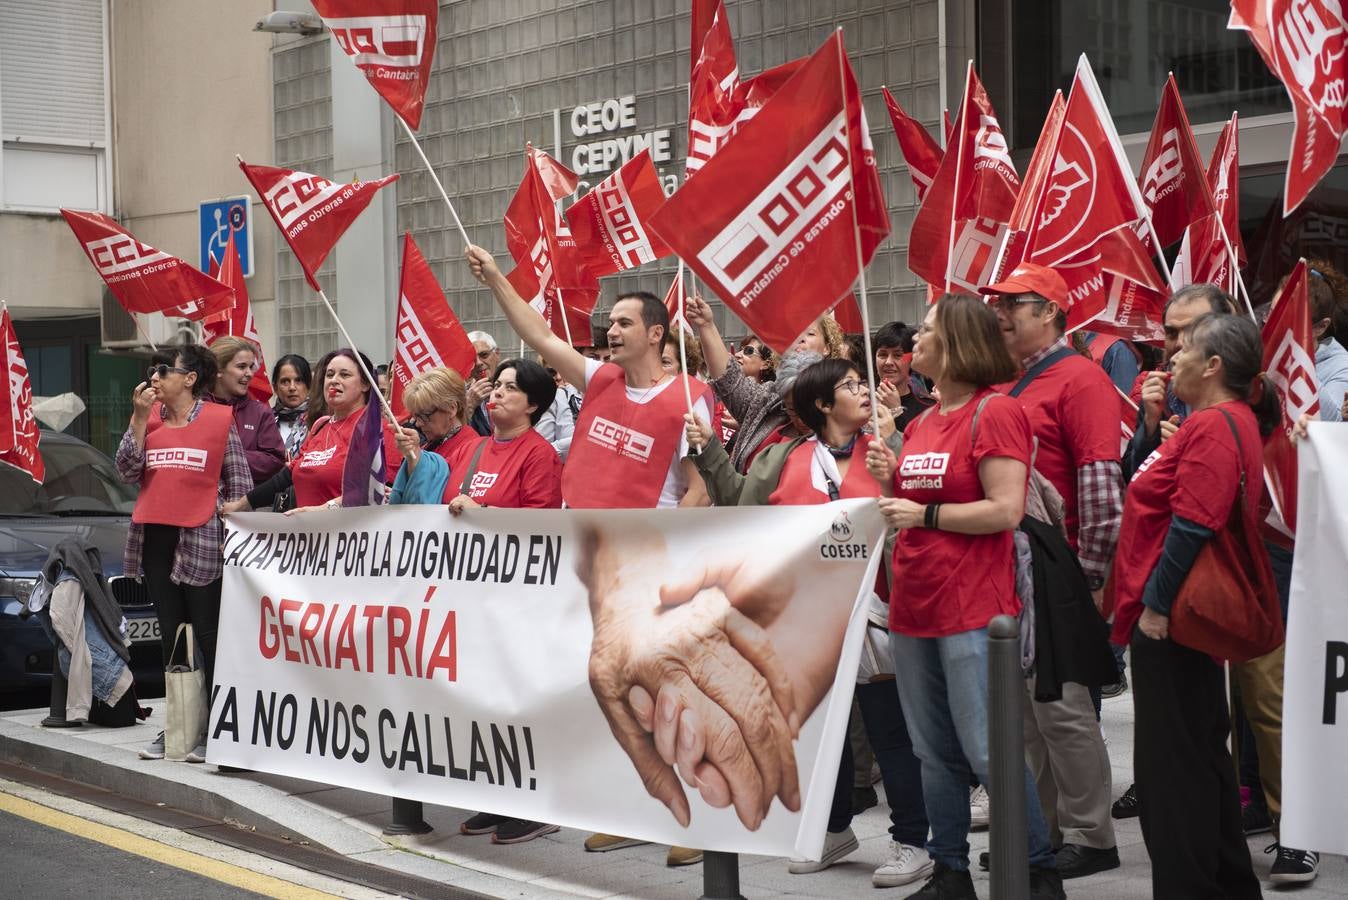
(238, 321)
(311, 211)
(364, 469)
(143, 279)
(428, 334)
(392, 42)
(609, 222)
(19, 433)
(1305, 44)
(1289, 360)
(773, 223)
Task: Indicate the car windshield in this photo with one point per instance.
(79, 480)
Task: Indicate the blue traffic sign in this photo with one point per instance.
(217, 218)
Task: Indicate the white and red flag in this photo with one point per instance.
(1174, 183)
(672, 301)
(780, 221)
(142, 278)
(920, 150)
(1305, 44)
(238, 320)
(550, 272)
(1224, 182)
(392, 42)
(960, 227)
(713, 84)
(1289, 360)
(19, 435)
(311, 211)
(1203, 254)
(428, 334)
(609, 222)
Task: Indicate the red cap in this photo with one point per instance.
(1032, 278)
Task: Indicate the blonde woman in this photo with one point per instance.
(236, 361)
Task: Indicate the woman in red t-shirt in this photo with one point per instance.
(1188, 796)
(958, 491)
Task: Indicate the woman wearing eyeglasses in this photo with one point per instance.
(438, 402)
(236, 360)
(186, 456)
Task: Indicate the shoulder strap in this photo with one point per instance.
(1240, 451)
(973, 426)
(1039, 368)
(472, 465)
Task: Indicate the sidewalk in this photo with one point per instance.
(349, 822)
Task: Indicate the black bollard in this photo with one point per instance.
(1008, 854)
(407, 818)
(60, 688)
(720, 876)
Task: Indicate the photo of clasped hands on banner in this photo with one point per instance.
(707, 672)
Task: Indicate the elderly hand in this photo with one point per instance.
(1169, 427)
(698, 431)
(233, 506)
(481, 264)
(697, 312)
(300, 510)
(479, 390)
(1154, 625)
(409, 445)
(462, 502)
(901, 513)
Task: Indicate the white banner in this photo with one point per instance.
(517, 661)
(1315, 680)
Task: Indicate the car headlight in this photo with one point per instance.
(18, 588)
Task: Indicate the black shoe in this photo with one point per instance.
(1293, 866)
(1254, 819)
(1078, 860)
(1046, 884)
(482, 823)
(984, 861)
(946, 884)
(517, 831)
(863, 798)
(1126, 806)
(1114, 690)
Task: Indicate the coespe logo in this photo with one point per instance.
(380, 40)
(620, 439)
(121, 253)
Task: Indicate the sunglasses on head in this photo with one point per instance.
(163, 369)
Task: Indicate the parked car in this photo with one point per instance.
(80, 497)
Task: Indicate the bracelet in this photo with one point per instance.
(929, 515)
(936, 518)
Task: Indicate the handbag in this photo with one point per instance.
(1228, 606)
(186, 706)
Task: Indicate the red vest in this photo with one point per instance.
(621, 450)
(181, 479)
(796, 486)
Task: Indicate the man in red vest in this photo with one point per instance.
(1074, 413)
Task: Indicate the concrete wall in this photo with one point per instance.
(43, 271)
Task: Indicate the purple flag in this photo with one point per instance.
(363, 475)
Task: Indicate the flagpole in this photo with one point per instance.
(566, 323)
(856, 237)
(360, 363)
(683, 355)
(435, 178)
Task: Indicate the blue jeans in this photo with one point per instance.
(943, 684)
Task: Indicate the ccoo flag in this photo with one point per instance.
(392, 42)
(1289, 360)
(920, 150)
(776, 221)
(143, 279)
(238, 321)
(609, 222)
(311, 211)
(428, 334)
(19, 434)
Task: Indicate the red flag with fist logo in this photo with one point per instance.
(238, 321)
(142, 278)
(392, 42)
(1305, 44)
(311, 211)
(19, 435)
(428, 334)
(609, 222)
(780, 221)
(1289, 360)
(1174, 184)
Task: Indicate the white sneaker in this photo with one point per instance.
(980, 812)
(905, 865)
(836, 846)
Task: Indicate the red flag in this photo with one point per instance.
(948, 125)
(961, 224)
(311, 211)
(238, 320)
(1174, 183)
(773, 222)
(1310, 58)
(143, 279)
(920, 150)
(1024, 215)
(428, 334)
(19, 435)
(847, 313)
(1224, 182)
(609, 223)
(1289, 360)
(392, 42)
(1202, 256)
(713, 83)
(672, 300)
(550, 272)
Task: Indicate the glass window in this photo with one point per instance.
(1318, 228)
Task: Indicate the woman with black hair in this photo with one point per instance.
(1189, 800)
(290, 379)
(175, 532)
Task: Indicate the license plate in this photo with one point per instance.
(143, 631)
